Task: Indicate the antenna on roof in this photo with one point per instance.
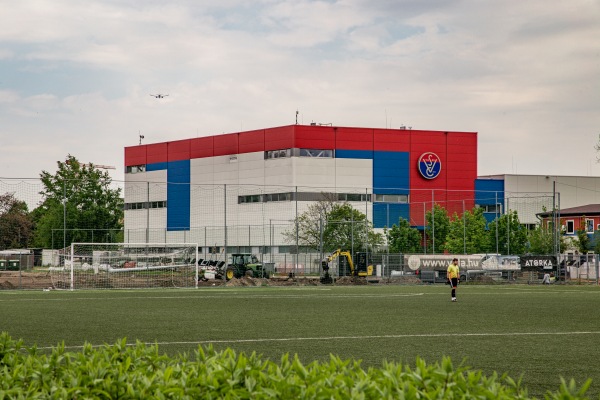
(141, 137)
(296, 117)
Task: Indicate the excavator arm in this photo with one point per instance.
(336, 254)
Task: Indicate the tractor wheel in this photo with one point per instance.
(229, 273)
(250, 273)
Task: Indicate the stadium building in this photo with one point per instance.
(243, 189)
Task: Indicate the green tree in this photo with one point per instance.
(507, 234)
(403, 238)
(541, 240)
(583, 242)
(341, 226)
(467, 233)
(310, 224)
(16, 225)
(438, 226)
(78, 197)
(349, 229)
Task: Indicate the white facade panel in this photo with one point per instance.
(252, 168)
(573, 190)
(201, 171)
(280, 172)
(314, 172)
(352, 173)
(141, 185)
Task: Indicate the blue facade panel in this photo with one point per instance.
(490, 192)
(359, 154)
(157, 166)
(178, 195)
(391, 172)
(388, 214)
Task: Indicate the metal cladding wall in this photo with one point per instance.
(429, 166)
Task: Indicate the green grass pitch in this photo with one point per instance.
(539, 333)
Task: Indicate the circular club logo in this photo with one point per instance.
(429, 165)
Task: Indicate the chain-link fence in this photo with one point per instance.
(290, 228)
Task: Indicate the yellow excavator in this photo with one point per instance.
(362, 267)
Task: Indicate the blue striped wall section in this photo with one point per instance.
(391, 172)
(488, 192)
(157, 166)
(178, 195)
(359, 154)
(388, 214)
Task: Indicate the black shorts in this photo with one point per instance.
(454, 282)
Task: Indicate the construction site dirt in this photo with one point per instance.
(22, 280)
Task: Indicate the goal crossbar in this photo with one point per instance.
(130, 265)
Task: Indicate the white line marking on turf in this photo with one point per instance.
(219, 296)
(299, 339)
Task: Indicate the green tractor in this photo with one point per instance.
(245, 265)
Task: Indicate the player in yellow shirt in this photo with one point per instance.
(453, 273)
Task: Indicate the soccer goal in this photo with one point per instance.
(126, 265)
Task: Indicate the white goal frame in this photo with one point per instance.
(137, 262)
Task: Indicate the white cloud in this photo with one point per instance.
(522, 74)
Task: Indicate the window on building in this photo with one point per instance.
(316, 153)
(490, 208)
(214, 250)
(391, 198)
(303, 196)
(144, 205)
(362, 197)
(589, 226)
(158, 204)
(570, 228)
(273, 154)
(134, 169)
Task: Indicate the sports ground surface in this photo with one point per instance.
(539, 333)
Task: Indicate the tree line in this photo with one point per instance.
(328, 225)
(78, 205)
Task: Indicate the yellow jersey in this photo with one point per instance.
(453, 271)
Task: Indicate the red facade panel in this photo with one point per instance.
(279, 138)
(353, 138)
(315, 137)
(251, 141)
(458, 154)
(391, 140)
(135, 155)
(201, 147)
(226, 144)
(156, 152)
(179, 150)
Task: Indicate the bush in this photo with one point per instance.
(139, 371)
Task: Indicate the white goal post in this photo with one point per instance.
(127, 265)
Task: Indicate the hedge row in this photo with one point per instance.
(139, 371)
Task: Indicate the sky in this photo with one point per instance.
(76, 77)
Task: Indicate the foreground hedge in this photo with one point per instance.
(140, 372)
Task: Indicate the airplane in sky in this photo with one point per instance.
(159, 96)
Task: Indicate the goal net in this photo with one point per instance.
(126, 265)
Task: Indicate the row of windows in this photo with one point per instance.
(218, 250)
(320, 196)
(570, 226)
(145, 205)
(391, 198)
(264, 198)
(287, 153)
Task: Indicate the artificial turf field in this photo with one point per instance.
(539, 333)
